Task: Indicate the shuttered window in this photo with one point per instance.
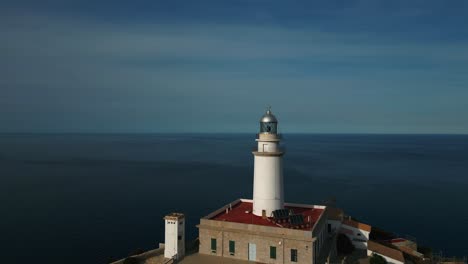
(232, 247)
(272, 252)
(293, 255)
(213, 245)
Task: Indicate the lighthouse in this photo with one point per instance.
(268, 194)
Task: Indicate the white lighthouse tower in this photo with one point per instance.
(268, 192)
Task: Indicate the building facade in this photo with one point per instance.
(233, 231)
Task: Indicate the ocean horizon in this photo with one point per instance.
(93, 197)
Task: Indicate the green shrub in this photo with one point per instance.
(377, 259)
(427, 251)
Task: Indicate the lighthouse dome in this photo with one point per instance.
(268, 123)
(268, 117)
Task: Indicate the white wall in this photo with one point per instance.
(357, 236)
(268, 184)
(173, 246)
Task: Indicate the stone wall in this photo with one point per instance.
(263, 237)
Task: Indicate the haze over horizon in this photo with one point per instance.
(214, 66)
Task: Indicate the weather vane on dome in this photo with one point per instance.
(269, 108)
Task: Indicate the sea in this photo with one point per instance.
(94, 198)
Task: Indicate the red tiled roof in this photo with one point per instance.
(238, 215)
(385, 251)
(396, 240)
(410, 251)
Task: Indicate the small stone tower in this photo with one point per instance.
(268, 169)
(174, 242)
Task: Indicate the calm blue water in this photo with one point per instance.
(86, 198)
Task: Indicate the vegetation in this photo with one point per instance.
(426, 251)
(344, 245)
(377, 259)
(192, 247)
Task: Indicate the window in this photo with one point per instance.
(272, 252)
(213, 245)
(179, 237)
(268, 127)
(329, 228)
(293, 255)
(232, 247)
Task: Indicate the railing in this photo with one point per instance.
(440, 258)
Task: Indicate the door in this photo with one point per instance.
(252, 252)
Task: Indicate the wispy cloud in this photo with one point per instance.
(99, 76)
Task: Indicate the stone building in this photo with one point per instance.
(233, 231)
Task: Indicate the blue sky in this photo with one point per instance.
(214, 66)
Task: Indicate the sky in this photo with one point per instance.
(214, 66)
